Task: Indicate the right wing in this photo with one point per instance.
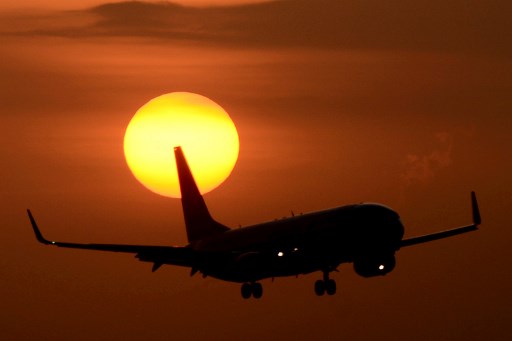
(448, 233)
(158, 255)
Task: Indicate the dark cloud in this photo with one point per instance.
(467, 26)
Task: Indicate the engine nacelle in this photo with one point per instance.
(372, 266)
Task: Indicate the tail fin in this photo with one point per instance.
(198, 221)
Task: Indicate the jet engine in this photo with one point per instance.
(371, 266)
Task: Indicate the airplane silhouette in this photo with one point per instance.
(366, 234)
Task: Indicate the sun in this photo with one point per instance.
(205, 132)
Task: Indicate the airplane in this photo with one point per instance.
(366, 235)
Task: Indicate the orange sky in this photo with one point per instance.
(407, 104)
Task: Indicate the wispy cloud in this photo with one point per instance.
(420, 168)
(419, 25)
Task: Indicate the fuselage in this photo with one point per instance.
(367, 235)
(301, 244)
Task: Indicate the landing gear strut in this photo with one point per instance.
(325, 285)
(252, 289)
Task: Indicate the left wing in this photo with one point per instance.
(159, 255)
(448, 233)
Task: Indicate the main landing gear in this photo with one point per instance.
(253, 289)
(325, 285)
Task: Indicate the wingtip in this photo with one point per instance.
(37, 232)
(477, 220)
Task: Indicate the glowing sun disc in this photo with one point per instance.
(203, 129)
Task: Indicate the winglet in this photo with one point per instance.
(38, 234)
(477, 220)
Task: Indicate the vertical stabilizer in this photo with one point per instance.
(198, 221)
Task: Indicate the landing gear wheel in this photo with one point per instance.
(325, 285)
(257, 290)
(330, 287)
(319, 287)
(252, 289)
(246, 290)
